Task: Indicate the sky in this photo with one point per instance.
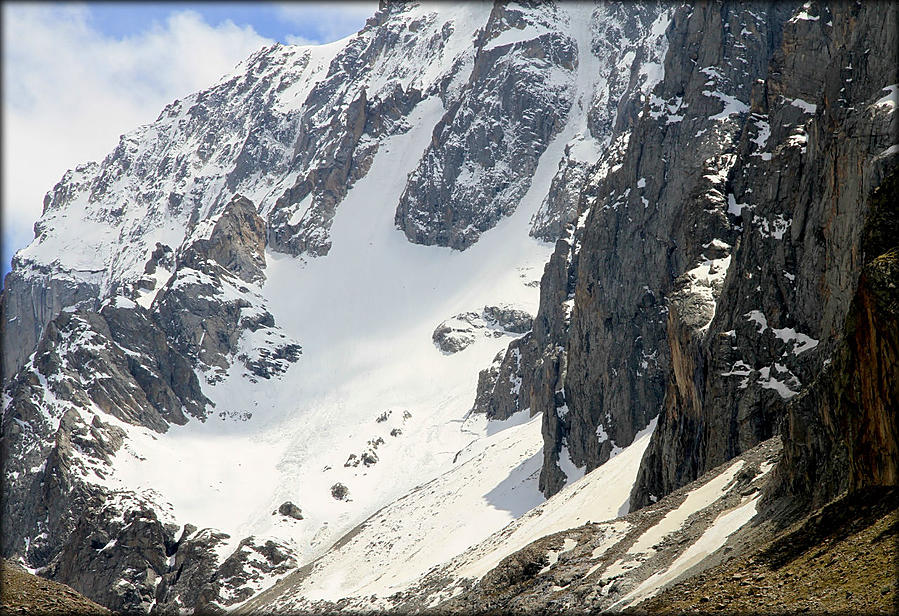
(78, 75)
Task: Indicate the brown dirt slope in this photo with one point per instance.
(842, 559)
(24, 593)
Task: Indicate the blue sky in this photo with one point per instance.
(78, 75)
(318, 22)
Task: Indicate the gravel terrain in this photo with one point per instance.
(24, 593)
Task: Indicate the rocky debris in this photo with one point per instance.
(290, 510)
(841, 559)
(461, 331)
(368, 456)
(24, 593)
(339, 491)
(591, 567)
(372, 445)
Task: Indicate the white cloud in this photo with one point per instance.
(323, 22)
(70, 91)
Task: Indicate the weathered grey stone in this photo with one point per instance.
(203, 320)
(842, 433)
(290, 510)
(477, 166)
(460, 332)
(795, 266)
(339, 491)
(508, 319)
(32, 297)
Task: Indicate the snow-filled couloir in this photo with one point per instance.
(225, 330)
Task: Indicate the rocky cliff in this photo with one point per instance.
(715, 251)
(714, 187)
(842, 433)
(145, 297)
(798, 257)
(95, 378)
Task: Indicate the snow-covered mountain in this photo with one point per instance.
(205, 357)
(330, 333)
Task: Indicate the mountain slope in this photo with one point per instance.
(277, 350)
(219, 322)
(24, 593)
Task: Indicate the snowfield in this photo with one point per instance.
(450, 532)
(369, 433)
(364, 315)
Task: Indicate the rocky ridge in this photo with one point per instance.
(24, 593)
(144, 283)
(723, 241)
(134, 363)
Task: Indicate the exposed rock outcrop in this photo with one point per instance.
(794, 267)
(94, 378)
(30, 302)
(208, 307)
(288, 509)
(460, 332)
(842, 433)
(486, 147)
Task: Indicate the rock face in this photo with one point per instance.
(133, 363)
(28, 304)
(628, 45)
(459, 332)
(485, 148)
(292, 129)
(723, 212)
(658, 229)
(207, 308)
(795, 265)
(143, 285)
(842, 433)
(706, 276)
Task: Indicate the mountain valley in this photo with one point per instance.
(487, 308)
